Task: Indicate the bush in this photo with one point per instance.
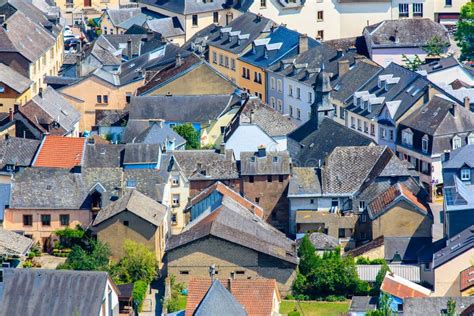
(335, 298)
(139, 293)
(290, 297)
(294, 313)
(27, 264)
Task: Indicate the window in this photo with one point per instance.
(2, 89)
(391, 133)
(46, 220)
(226, 62)
(251, 179)
(263, 3)
(320, 16)
(125, 223)
(64, 219)
(174, 219)
(359, 125)
(403, 10)
(448, 3)
(195, 20)
(272, 83)
(232, 63)
(424, 144)
(105, 98)
(372, 129)
(456, 142)
(290, 90)
(311, 201)
(418, 9)
(298, 93)
(183, 272)
(320, 35)
(279, 106)
(27, 220)
(257, 77)
(280, 178)
(342, 232)
(291, 111)
(353, 122)
(334, 202)
(272, 102)
(470, 139)
(99, 99)
(279, 85)
(257, 200)
(175, 200)
(221, 60)
(269, 178)
(407, 138)
(366, 127)
(175, 181)
(215, 17)
(465, 174)
(310, 97)
(214, 57)
(361, 206)
(298, 114)
(363, 218)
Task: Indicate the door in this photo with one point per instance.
(87, 3)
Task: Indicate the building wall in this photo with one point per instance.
(252, 87)
(385, 56)
(402, 221)
(274, 95)
(13, 220)
(212, 135)
(321, 220)
(271, 196)
(199, 81)
(83, 96)
(291, 102)
(447, 76)
(447, 279)
(10, 97)
(216, 55)
(196, 258)
(375, 253)
(196, 186)
(107, 27)
(96, 4)
(241, 141)
(182, 189)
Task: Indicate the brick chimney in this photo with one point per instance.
(129, 49)
(342, 67)
(303, 44)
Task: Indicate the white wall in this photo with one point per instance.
(249, 138)
(385, 56)
(445, 77)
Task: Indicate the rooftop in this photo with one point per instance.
(14, 244)
(60, 152)
(264, 163)
(421, 306)
(455, 246)
(402, 288)
(206, 164)
(17, 151)
(14, 79)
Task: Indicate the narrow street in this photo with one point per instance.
(152, 305)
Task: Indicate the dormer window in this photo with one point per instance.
(470, 139)
(424, 144)
(465, 174)
(456, 142)
(252, 159)
(407, 137)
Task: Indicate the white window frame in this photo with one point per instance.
(407, 137)
(405, 12)
(417, 9)
(465, 174)
(457, 142)
(272, 83)
(424, 144)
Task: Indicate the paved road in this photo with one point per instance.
(436, 208)
(154, 299)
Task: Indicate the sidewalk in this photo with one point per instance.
(152, 304)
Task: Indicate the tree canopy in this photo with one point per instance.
(190, 134)
(464, 35)
(93, 257)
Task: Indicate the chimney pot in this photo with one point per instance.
(303, 44)
(222, 148)
(342, 67)
(262, 152)
(467, 103)
(179, 60)
(252, 114)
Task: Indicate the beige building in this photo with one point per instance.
(134, 217)
(14, 88)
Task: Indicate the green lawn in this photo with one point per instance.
(315, 308)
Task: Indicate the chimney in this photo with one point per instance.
(129, 49)
(252, 114)
(339, 53)
(40, 92)
(358, 58)
(10, 114)
(342, 67)
(446, 155)
(303, 45)
(467, 103)
(259, 17)
(262, 152)
(397, 40)
(454, 110)
(179, 60)
(222, 148)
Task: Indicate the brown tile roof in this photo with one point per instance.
(226, 191)
(402, 288)
(60, 152)
(39, 117)
(387, 199)
(377, 242)
(255, 295)
(467, 278)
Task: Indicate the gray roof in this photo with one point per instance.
(234, 223)
(305, 180)
(168, 27)
(206, 164)
(363, 303)
(405, 32)
(187, 6)
(273, 163)
(52, 292)
(103, 156)
(58, 108)
(111, 117)
(5, 194)
(368, 272)
(13, 244)
(439, 65)
(322, 241)
(410, 249)
(460, 157)
(456, 245)
(136, 203)
(151, 133)
(14, 79)
(142, 153)
(118, 16)
(17, 151)
(219, 301)
(150, 182)
(177, 108)
(422, 306)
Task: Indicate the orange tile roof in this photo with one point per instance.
(60, 152)
(402, 288)
(467, 278)
(255, 295)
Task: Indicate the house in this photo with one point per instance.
(234, 41)
(14, 244)
(47, 113)
(457, 185)
(281, 43)
(58, 292)
(208, 114)
(17, 153)
(446, 71)
(135, 217)
(14, 87)
(32, 42)
(142, 132)
(187, 76)
(311, 143)
(60, 152)
(419, 306)
(255, 297)
(441, 125)
(360, 305)
(265, 176)
(450, 262)
(267, 126)
(322, 242)
(193, 16)
(142, 156)
(170, 29)
(240, 245)
(389, 40)
(398, 289)
(111, 19)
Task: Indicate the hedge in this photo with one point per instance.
(139, 293)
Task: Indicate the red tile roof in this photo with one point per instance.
(60, 152)
(467, 278)
(255, 295)
(402, 288)
(391, 195)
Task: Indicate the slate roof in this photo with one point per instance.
(360, 304)
(421, 306)
(17, 151)
(111, 117)
(216, 165)
(150, 182)
(402, 288)
(137, 203)
(217, 300)
(103, 155)
(14, 244)
(198, 43)
(118, 16)
(234, 223)
(142, 153)
(413, 32)
(409, 249)
(460, 157)
(255, 295)
(322, 241)
(168, 27)
(247, 27)
(187, 6)
(151, 133)
(14, 79)
(317, 143)
(177, 108)
(305, 181)
(60, 152)
(52, 292)
(439, 65)
(273, 163)
(455, 246)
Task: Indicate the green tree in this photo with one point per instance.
(379, 279)
(95, 257)
(190, 134)
(307, 255)
(435, 46)
(412, 63)
(138, 263)
(464, 35)
(70, 236)
(383, 307)
(451, 308)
